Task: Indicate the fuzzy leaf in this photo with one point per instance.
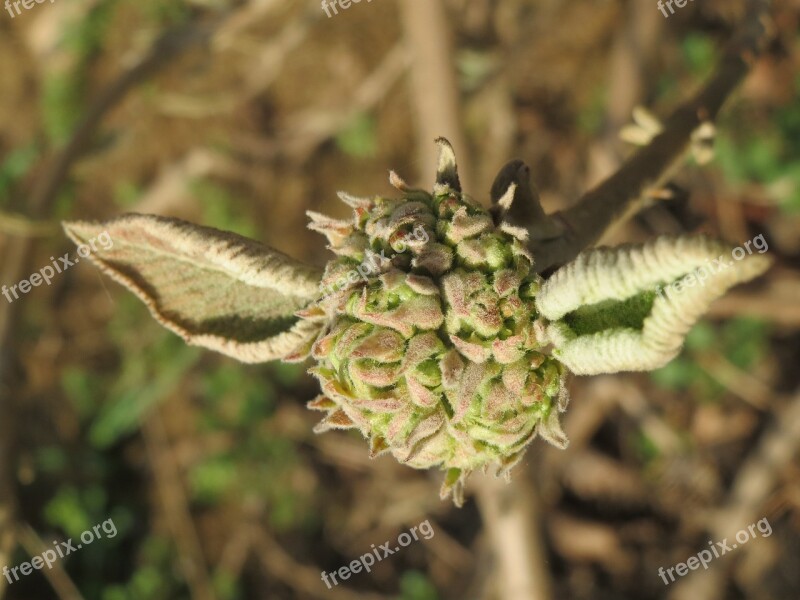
(213, 288)
(620, 310)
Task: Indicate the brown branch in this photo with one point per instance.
(512, 519)
(167, 48)
(175, 505)
(58, 577)
(304, 579)
(754, 482)
(434, 85)
(618, 197)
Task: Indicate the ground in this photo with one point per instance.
(208, 470)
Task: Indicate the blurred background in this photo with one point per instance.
(242, 115)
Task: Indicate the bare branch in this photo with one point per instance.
(618, 196)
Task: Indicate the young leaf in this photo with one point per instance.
(213, 288)
(630, 308)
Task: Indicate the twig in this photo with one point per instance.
(617, 197)
(738, 381)
(166, 48)
(755, 481)
(511, 517)
(13, 224)
(307, 129)
(168, 478)
(433, 85)
(280, 565)
(18, 252)
(63, 586)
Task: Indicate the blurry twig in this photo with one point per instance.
(775, 301)
(308, 129)
(738, 381)
(658, 431)
(63, 586)
(779, 444)
(176, 509)
(280, 565)
(635, 44)
(266, 59)
(11, 224)
(171, 189)
(511, 516)
(167, 48)
(434, 85)
(617, 197)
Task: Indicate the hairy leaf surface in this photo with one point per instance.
(213, 288)
(618, 309)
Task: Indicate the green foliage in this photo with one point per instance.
(764, 151)
(72, 510)
(83, 389)
(62, 102)
(13, 168)
(757, 157)
(258, 465)
(288, 374)
(86, 36)
(359, 139)
(644, 446)
(51, 459)
(592, 117)
(415, 585)
(153, 578)
(745, 341)
(126, 194)
(226, 586)
(699, 53)
(141, 386)
(221, 208)
(165, 13)
(63, 96)
(210, 480)
(742, 341)
(701, 337)
(474, 68)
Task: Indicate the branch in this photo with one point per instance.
(166, 48)
(753, 485)
(434, 84)
(618, 197)
(512, 518)
(17, 252)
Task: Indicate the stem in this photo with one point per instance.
(511, 515)
(434, 85)
(618, 197)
